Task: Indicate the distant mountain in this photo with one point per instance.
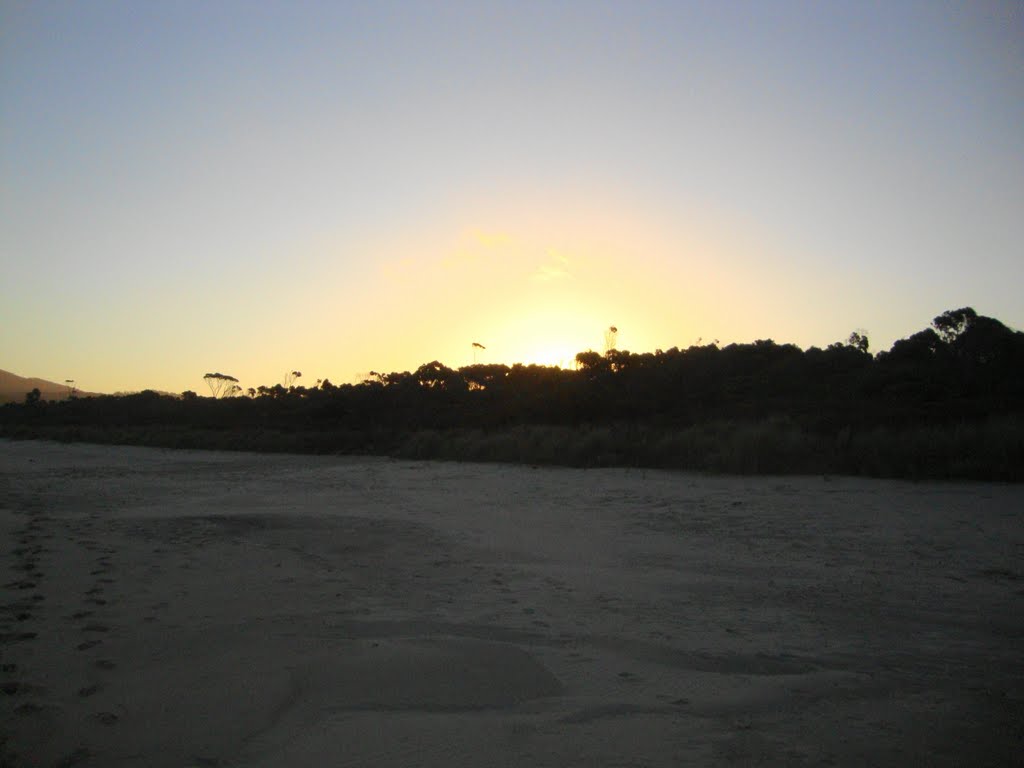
(13, 388)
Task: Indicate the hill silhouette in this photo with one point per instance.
(947, 401)
(13, 388)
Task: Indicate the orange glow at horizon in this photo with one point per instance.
(531, 286)
(549, 333)
(531, 289)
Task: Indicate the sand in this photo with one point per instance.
(189, 608)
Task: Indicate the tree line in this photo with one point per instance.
(963, 369)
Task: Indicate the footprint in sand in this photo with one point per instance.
(25, 708)
(16, 637)
(89, 690)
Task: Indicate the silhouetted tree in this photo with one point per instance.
(858, 341)
(221, 385)
(435, 375)
(618, 359)
(481, 376)
(920, 346)
(953, 322)
(610, 336)
(590, 361)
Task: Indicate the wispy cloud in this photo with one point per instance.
(492, 239)
(476, 248)
(556, 267)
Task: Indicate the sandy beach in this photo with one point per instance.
(190, 608)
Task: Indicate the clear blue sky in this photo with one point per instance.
(255, 187)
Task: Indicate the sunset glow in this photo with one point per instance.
(258, 187)
(546, 336)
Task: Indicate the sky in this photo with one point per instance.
(258, 187)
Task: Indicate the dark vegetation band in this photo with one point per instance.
(945, 402)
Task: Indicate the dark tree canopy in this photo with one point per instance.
(952, 323)
(964, 369)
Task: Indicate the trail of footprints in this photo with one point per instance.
(19, 618)
(17, 614)
(89, 617)
(16, 618)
